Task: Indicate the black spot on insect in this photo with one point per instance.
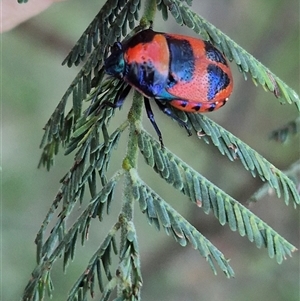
(197, 107)
(142, 76)
(171, 81)
(212, 107)
(142, 37)
(182, 61)
(145, 77)
(214, 54)
(183, 103)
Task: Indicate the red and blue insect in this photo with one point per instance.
(188, 73)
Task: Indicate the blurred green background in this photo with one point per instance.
(33, 83)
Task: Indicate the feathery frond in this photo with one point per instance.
(209, 197)
(108, 25)
(63, 243)
(98, 267)
(159, 212)
(85, 127)
(101, 34)
(234, 149)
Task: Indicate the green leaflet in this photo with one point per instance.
(159, 210)
(207, 195)
(234, 149)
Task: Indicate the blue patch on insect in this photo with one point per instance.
(182, 60)
(218, 80)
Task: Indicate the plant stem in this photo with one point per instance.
(149, 13)
(129, 162)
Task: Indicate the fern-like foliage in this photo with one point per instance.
(85, 131)
(113, 18)
(209, 197)
(159, 212)
(235, 149)
(63, 243)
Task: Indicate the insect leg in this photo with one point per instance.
(152, 120)
(119, 99)
(168, 112)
